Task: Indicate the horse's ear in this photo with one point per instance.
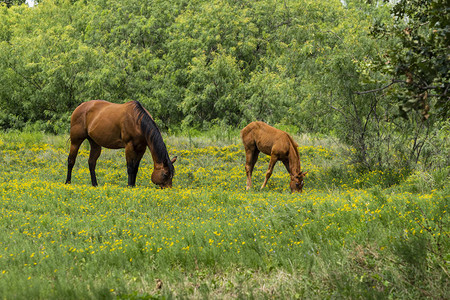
(174, 159)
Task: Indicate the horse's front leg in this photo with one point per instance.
(92, 161)
(272, 162)
(133, 156)
(286, 164)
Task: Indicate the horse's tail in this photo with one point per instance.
(246, 130)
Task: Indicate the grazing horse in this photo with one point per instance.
(115, 126)
(260, 137)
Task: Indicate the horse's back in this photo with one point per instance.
(92, 107)
(265, 137)
(103, 122)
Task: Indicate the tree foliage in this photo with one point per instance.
(419, 59)
(10, 3)
(202, 63)
(190, 62)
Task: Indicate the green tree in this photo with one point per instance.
(269, 97)
(214, 90)
(308, 63)
(10, 3)
(418, 58)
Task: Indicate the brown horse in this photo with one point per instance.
(260, 137)
(115, 126)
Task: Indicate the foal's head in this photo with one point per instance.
(297, 182)
(163, 176)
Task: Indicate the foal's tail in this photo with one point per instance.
(246, 130)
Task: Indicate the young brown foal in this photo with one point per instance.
(260, 137)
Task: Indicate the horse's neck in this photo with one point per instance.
(294, 160)
(150, 132)
(157, 162)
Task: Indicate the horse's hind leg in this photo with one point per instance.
(73, 152)
(251, 156)
(92, 161)
(272, 162)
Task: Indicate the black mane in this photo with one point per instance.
(153, 136)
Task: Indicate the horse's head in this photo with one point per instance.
(163, 176)
(297, 182)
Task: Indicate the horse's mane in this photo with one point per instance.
(294, 144)
(153, 135)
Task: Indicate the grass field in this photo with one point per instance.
(380, 234)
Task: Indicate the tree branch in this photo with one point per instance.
(29, 80)
(338, 110)
(380, 89)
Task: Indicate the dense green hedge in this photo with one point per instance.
(205, 64)
(189, 62)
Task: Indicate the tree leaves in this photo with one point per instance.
(419, 57)
(197, 62)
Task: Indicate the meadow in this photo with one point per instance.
(350, 234)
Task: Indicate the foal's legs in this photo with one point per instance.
(73, 152)
(251, 156)
(133, 156)
(92, 161)
(286, 164)
(272, 162)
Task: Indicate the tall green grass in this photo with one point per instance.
(380, 234)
